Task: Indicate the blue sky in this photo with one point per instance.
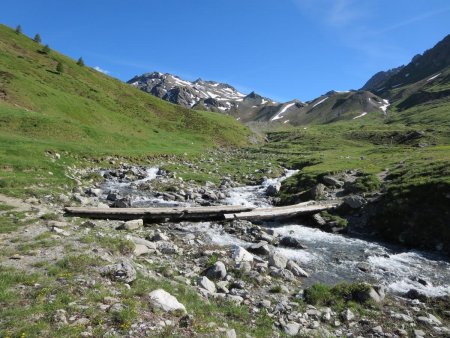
(282, 49)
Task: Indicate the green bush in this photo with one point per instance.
(341, 222)
(212, 260)
(365, 183)
(46, 49)
(50, 217)
(37, 38)
(338, 295)
(275, 289)
(60, 68)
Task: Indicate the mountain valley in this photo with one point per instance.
(376, 265)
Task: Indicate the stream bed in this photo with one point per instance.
(329, 258)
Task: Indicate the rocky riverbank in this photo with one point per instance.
(253, 280)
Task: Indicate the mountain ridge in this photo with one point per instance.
(399, 89)
(252, 107)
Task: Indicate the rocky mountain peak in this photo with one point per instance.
(422, 66)
(186, 93)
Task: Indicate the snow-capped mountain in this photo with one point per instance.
(210, 94)
(223, 98)
(423, 81)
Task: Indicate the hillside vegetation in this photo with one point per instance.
(409, 163)
(82, 112)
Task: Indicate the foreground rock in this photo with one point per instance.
(295, 269)
(217, 271)
(355, 201)
(278, 261)
(206, 284)
(291, 242)
(291, 329)
(165, 301)
(241, 255)
(122, 272)
(133, 224)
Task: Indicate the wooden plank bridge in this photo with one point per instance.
(222, 212)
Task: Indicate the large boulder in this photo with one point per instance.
(332, 181)
(94, 192)
(347, 315)
(319, 220)
(241, 255)
(291, 242)
(121, 203)
(355, 201)
(217, 271)
(261, 248)
(318, 192)
(132, 225)
(140, 249)
(273, 189)
(165, 301)
(278, 261)
(375, 293)
(123, 272)
(295, 269)
(291, 328)
(206, 284)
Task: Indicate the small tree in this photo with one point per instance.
(37, 38)
(19, 29)
(80, 62)
(46, 49)
(60, 67)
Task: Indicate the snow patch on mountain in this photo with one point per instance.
(361, 115)
(282, 111)
(321, 101)
(385, 106)
(433, 77)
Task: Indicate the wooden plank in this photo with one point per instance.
(227, 212)
(156, 213)
(279, 213)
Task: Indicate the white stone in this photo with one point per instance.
(296, 270)
(291, 329)
(165, 301)
(278, 261)
(231, 334)
(141, 249)
(347, 315)
(133, 224)
(241, 255)
(206, 284)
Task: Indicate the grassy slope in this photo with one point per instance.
(82, 112)
(422, 102)
(415, 206)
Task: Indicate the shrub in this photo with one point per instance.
(338, 295)
(341, 222)
(50, 217)
(275, 289)
(60, 67)
(365, 183)
(37, 38)
(212, 260)
(318, 294)
(46, 49)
